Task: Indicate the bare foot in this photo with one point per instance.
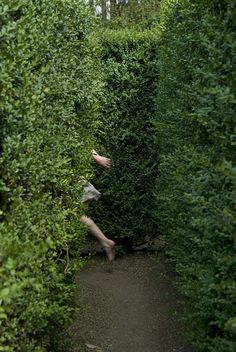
(109, 248)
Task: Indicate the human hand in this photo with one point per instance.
(102, 161)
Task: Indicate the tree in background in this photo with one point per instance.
(104, 8)
(143, 13)
(126, 13)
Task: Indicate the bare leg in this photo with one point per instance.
(108, 245)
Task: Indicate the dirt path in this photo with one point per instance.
(131, 307)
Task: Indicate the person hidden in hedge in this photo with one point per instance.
(91, 193)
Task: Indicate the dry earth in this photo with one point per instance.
(131, 306)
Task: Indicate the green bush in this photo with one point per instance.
(126, 134)
(196, 190)
(50, 92)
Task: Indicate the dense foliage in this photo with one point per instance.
(196, 191)
(50, 93)
(50, 90)
(126, 134)
(132, 13)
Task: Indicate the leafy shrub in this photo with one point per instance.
(126, 135)
(196, 189)
(50, 88)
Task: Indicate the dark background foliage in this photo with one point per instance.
(126, 134)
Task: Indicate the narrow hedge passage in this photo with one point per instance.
(161, 103)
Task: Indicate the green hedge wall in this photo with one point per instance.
(196, 190)
(50, 92)
(126, 134)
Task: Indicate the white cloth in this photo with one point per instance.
(89, 191)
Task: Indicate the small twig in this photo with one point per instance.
(67, 259)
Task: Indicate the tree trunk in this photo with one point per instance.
(91, 4)
(104, 10)
(113, 9)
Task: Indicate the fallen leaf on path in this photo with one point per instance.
(93, 347)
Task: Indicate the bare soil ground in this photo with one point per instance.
(130, 306)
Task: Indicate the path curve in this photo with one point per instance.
(131, 306)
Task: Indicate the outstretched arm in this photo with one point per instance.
(101, 160)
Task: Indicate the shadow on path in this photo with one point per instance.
(131, 307)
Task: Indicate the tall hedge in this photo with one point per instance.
(196, 190)
(126, 134)
(50, 88)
